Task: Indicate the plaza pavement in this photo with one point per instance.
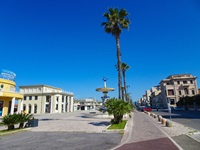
(142, 132)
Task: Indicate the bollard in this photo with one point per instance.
(159, 118)
(164, 121)
(168, 123)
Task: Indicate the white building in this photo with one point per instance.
(155, 97)
(148, 94)
(87, 104)
(39, 99)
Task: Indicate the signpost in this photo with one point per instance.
(169, 108)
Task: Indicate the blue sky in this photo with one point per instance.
(62, 43)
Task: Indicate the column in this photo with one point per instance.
(32, 109)
(51, 102)
(20, 106)
(72, 104)
(64, 103)
(60, 103)
(68, 103)
(12, 106)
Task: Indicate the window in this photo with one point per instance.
(184, 82)
(186, 91)
(191, 81)
(24, 107)
(170, 92)
(29, 110)
(57, 98)
(63, 99)
(24, 97)
(193, 92)
(56, 106)
(35, 108)
(172, 102)
(36, 97)
(179, 92)
(178, 82)
(30, 97)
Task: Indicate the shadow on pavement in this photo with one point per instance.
(102, 123)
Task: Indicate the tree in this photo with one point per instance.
(124, 68)
(10, 121)
(116, 21)
(118, 108)
(22, 118)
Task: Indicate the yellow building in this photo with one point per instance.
(8, 94)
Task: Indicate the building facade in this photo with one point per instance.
(87, 104)
(39, 99)
(8, 94)
(155, 99)
(176, 86)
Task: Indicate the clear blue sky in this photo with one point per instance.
(62, 43)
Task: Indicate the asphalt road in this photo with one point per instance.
(59, 141)
(188, 118)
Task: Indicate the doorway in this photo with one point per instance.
(1, 108)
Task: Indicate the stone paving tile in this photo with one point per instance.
(70, 122)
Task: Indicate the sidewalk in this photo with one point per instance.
(144, 132)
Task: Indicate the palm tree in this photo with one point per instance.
(118, 108)
(124, 68)
(10, 121)
(116, 21)
(24, 118)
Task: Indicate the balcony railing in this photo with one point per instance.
(65, 92)
(10, 91)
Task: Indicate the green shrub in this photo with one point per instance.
(118, 108)
(10, 121)
(22, 118)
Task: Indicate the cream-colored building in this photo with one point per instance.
(176, 86)
(39, 99)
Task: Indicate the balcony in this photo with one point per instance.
(10, 91)
(185, 85)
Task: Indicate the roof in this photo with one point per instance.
(39, 85)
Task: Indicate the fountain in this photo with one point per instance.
(97, 114)
(105, 91)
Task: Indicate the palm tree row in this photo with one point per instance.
(116, 21)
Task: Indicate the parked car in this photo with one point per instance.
(146, 109)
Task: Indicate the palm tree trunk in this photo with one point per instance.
(119, 67)
(125, 91)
